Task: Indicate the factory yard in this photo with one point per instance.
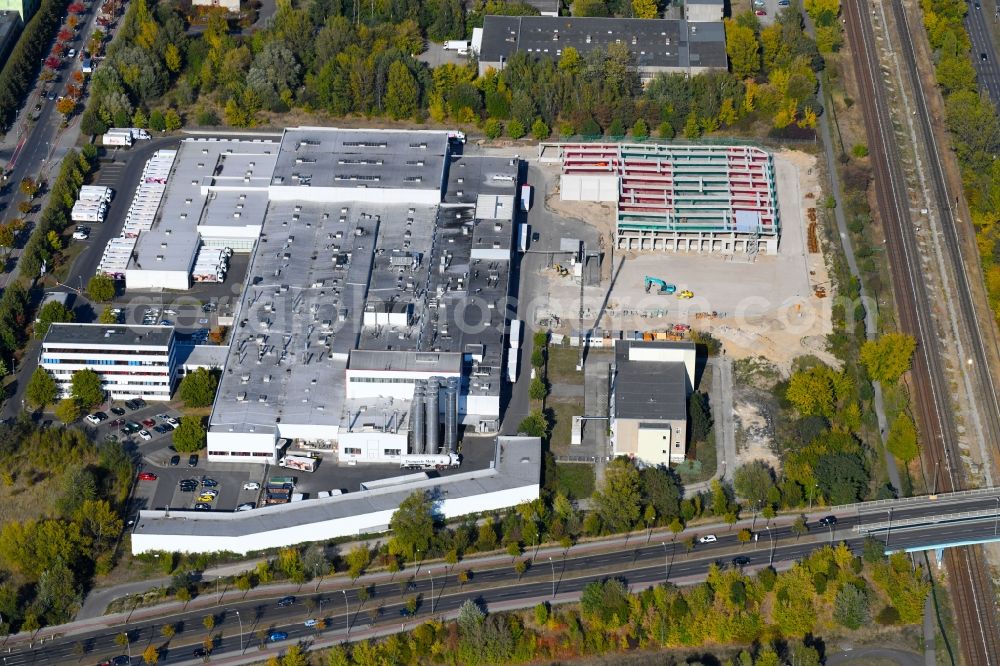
(778, 307)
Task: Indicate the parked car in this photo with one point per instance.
(162, 428)
(145, 435)
(118, 411)
(206, 498)
(121, 660)
(211, 492)
(708, 538)
(95, 418)
(81, 233)
(209, 483)
(193, 460)
(169, 419)
(251, 485)
(201, 506)
(175, 461)
(149, 423)
(147, 476)
(249, 506)
(286, 601)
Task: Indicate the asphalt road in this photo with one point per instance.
(642, 566)
(988, 70)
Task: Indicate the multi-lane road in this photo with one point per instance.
(639, 563)
(983, 54)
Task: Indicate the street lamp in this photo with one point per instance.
(553, 566)
(241, 630)
(770, 558)
(666, 563)
(347, 614)
(430, 574)
(418, 564)
(888, 532)
(812, 491)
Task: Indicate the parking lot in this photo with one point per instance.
(165, 490)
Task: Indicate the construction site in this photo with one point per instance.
(763, 289)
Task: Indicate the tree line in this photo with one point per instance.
(829, 590)
(24, 61)
(49, 561)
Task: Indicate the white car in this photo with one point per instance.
(246, 507)
(72, 53)
(81, 233)
(311, 622)
(251, 485)
(211, 492)
(708, 538)
(145, 435)
(92, 418)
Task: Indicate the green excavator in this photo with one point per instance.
(662, 286)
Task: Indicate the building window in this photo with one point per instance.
(390, 452)
(352, 451)
(218, 453)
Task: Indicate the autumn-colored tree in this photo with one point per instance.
(888, 357)
(743, 49)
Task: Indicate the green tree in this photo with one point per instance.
(68, 411)
(753, 481)
(86, 388)
(534, 425)
(51, 313)
(887, 358)
(537, 389)
(811, 391)
(540, 130)
(41, 389)
(743, 50)
(902, 439)
(101, 288)
(859, 150)
(640, 130)
(744, 536)
(412, 526)
(107, 316)
(841, 477)
(493, 128)
(189, 435)
(852, 605)
(208, 622)
(402, 92)
(645, 9)
(198, 388)
(515, 129)
(358, 559)
(172, 120)
(661, 488)
(701, 417)
(619, 502)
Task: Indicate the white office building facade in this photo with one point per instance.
(132, 361)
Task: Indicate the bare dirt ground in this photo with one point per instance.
(755, 436)
(767, 308)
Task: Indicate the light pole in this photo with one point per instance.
(770, 557)
(418, 564)
(666, 563)
(347, 614)
(812, 491)
(553, 566)
(430, 574)
(888, 532)
(241, 630)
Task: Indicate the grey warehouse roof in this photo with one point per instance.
(655, 43)
(650, 390)
(330, 157)
(105, 335)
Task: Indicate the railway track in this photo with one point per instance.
(969, 582)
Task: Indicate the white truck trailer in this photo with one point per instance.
(430, 461)
(516, 326)
(300, 463)
(97, 192)
(113, 138)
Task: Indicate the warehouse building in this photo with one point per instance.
(382, 264)
(513, 479)
(132, 361)
(658, 46)
(677, 198)
(650, 385)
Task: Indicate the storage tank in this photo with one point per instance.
(451, 415)
(433, 416)
(417, 418)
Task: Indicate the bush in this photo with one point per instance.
(207, 117)
(68, 411)
(493, 128)
(198, 388)
(189, 435)
(515, 129)
(888, 616)
(101, 288)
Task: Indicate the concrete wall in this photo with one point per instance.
(574, 187)
(261, 447)
(152, 279)
(370, 447)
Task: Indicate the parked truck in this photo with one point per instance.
(430, 461)
(513, 361)
(522, 237)
(515, 333)
(526, 198)
(97, 191)
(278, 494)
(112, 138)
(460, 45)
(300, 463)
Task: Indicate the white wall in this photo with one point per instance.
(201, 539)
(221, 443)
(400, 390)
(371, 446)
(310, 432)
(353, 195)
(152, 279)
(478, 405)
(686, 355)
(576, 187)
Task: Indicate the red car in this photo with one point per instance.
(760, 12)
(149, 423)
(147, 476)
